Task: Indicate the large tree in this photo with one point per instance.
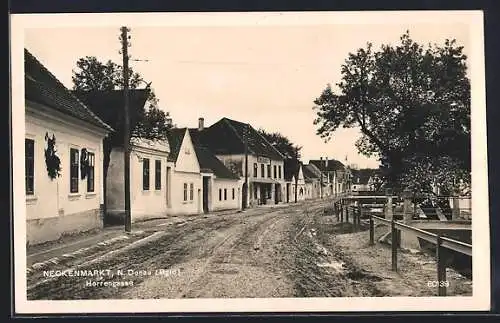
(412, 105)
(282, 144)
(93, 75)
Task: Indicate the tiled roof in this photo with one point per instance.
(333, 165)
(291, 168)
(208, 161)
(309, 173)
(226, 136)
(41, 86)
(109, 105)
(175, 137)
(361, 176)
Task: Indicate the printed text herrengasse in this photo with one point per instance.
(110, 273)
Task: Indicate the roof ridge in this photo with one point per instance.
(105, 125)
(226, 120)
(267, 142)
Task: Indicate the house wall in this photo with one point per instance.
(189, 206)
(186, 170)
(52, 210)
(238, 162)
(229, 203)
(150, 203)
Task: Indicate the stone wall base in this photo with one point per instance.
(49, 229)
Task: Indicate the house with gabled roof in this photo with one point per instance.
(312, 179)
(227, 139)
(63, 158)
(363, 179)
(221, 187)
(335, 175)
(149, 165)
(294, 180)
(185, 176)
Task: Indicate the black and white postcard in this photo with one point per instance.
(250, 162)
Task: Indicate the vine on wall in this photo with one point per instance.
(51, 159)
(84, 163)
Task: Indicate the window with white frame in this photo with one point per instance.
(73, 172)
(29, 164)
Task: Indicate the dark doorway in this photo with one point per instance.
(288, 192)
(276, 193)
(206, 181)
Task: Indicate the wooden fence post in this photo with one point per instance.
(372, 231)
(441, 268)
(394, 246)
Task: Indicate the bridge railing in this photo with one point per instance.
(438, 240)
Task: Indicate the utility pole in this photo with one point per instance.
(126, 126)
(245, 185)
(298, 171)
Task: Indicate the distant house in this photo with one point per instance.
(226, 139)
(364, 179)
(312, 178)
(335, 175)
(149, 165)
(295, 181)
(63, 158)
(221, 187)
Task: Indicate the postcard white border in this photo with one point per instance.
(480, 226)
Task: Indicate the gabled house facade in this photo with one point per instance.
(63, 158)
(312, 181)
(186, 197)
(295, 181)
(335, 175)
(363, 179)
(221, 187)
(227, 139)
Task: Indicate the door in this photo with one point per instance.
(205, 193)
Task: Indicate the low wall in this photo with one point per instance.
(49, 229)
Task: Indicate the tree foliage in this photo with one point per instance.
(412, 105)
(282, 144)
(94, 75)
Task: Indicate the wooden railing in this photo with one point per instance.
(438, 240)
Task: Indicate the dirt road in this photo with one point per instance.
(281, 252)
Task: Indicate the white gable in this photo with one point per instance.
(301, 174)
(187, 160)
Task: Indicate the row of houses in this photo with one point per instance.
(74, 163)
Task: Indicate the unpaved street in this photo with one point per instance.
(291, 251)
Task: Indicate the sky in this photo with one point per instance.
(266, 75)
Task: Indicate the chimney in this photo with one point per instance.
(200, 124)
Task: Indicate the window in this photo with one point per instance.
(185, 191)
(191, 191)
(279, 171)
(145, 174)
(91, 172)
(255, 170)
(274, 171)
(220, 194)
(262, 174)
(269, 171)
(29, 164)
(225, 194)
(233, 193)
(157, 174)
(74, 153)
